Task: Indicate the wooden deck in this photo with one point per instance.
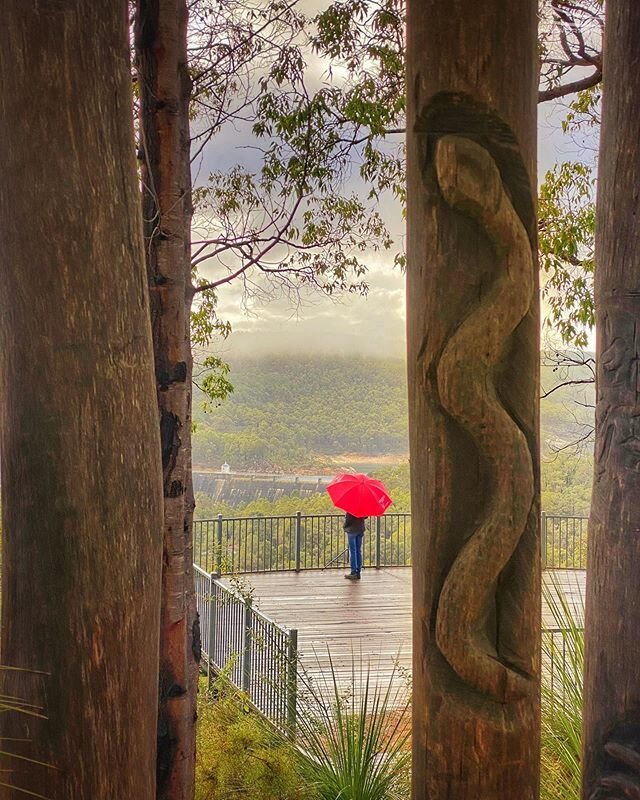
(370, 617)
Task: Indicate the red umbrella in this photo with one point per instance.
(359, 494)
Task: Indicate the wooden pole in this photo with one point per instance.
(473, 363)
(81, 471)
(165, 93)
(611, 763)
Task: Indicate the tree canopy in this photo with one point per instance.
(318, 102)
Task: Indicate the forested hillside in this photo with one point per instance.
(290, 413)
(296, 412)
(567, 405)
(318, 413)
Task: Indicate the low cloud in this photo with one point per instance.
(371, 325)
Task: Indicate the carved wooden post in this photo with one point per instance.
(611, 761)
(473, 358)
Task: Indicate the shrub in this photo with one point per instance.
(239, 755)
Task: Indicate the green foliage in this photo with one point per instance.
(320, 503)
(366, 40)
(288, 215)
(206, 326)
(351, 743)
(562, 700)
(354, 740)
(284, 219)
(584, 110)
(213, 382)
(239, 755)
(397, 479)
(321, 239)
(566, 213)
(567, 227)
(291, 216)
(566, 483)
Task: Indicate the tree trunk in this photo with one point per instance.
(611, 764)
(473, 363)
(81, 480)
(161, 45)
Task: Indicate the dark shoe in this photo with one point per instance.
(353, 576)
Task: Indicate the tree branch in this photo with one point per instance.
(575, 444)
(566, 383)
(562, 90)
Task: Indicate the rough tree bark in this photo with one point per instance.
(473, 358)
(81, 478)
(161, 48)
(611, 763)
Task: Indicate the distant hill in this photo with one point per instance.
(297, 412)
(311, 412)
(567, 412)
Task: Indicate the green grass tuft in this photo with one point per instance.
(562, 699)
(354, 740)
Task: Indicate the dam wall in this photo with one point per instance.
(238, 489)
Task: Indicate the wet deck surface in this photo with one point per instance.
(370, 617)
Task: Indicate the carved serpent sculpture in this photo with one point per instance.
(471, 183)
(621, 784)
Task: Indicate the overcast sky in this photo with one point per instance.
(372, 325)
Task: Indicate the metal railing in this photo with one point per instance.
(237, 545)
(564, 541)
(252, 651)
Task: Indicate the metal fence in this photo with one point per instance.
(564, 541)
(253, 652)
(236, 545)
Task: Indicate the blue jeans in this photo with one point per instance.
(355, 551)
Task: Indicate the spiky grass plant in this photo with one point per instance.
(562, 671)
(10, 704)
(353, 740)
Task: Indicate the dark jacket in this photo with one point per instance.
(353, 524)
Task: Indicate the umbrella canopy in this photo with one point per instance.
(359, 494)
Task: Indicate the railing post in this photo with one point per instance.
(378, 537)
(298, 540)
(543, 539)
(219, 544)
(248, 647)
(213, 612)
(292, 682)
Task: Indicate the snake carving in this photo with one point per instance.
(624, 782)
(470, 183)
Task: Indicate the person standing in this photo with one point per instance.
(354, 527)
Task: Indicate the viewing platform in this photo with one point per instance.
(370, 617)
(273, 600)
